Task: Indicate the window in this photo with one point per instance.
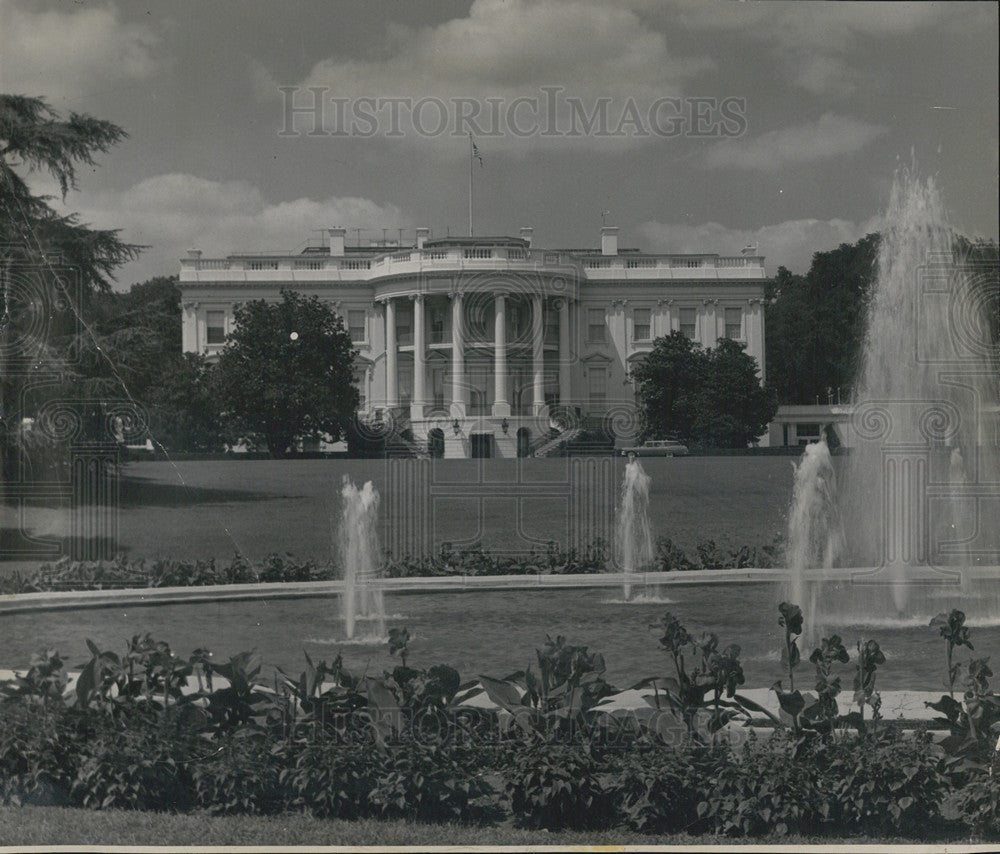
(595, 325)
(640, 324)
(597, 382)
(551, 325)
(437, 324)
(356, 325)
(479, 320)
(806, 434)
(404, 381)
(734, 322)
(404, 326)
(360, 382)
(215, 326)
(688, 317)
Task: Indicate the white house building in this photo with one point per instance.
(480, 342)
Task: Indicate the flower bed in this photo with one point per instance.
(475, 561)
(149, 730)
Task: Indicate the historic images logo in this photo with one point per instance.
(317, 111)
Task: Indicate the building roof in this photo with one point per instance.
(441, 242)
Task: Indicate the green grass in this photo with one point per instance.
(43, 826)
(198, 509)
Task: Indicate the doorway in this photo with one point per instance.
(481, 445)
(523, 441)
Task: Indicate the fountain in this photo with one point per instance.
(917, 500)
(815, 535)
(634, 540)
(360, 557)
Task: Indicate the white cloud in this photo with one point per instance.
(788, 244)
(816, 42)
(512, 49)
(66, 55)
(831, 26)
(176, 212)
(830, 136)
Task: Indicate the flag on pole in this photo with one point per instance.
(475, 151)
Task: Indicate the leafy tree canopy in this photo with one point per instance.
(711, 398)
(34, 138)
(815, 323)
(51, 264)
(287, 372)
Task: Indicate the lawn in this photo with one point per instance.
(197, 509)
(45, 826)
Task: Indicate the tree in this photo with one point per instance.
(667, 383)
(51, 265)
(815, 323)
(732, 409)
(287, 372)
(710, 398)
(183, 409)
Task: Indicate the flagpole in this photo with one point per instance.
(471, 158)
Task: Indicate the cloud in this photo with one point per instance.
(64, 56)
(816, 42)
(831, 26)
(830, 136)
(510, 49)
(175, 212)
(788, 244)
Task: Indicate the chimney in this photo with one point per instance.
(609, 240)
(749, 249)
(337, 242)
(422, 234)
(526, 234)
(194, 254)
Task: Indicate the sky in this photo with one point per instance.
(692, 126)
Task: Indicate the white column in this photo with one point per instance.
(419, 390)
(537, 355)
(663, 320)
(501, 407)
(391, 380)
(457, 358)
(754, 334)
(565, 386)
(189, 343)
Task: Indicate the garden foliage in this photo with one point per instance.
(148, 729)
(473, 560)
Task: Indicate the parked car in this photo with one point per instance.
(657, 448)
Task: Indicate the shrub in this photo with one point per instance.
(132, 770)
(39, 754)
(430, 782)
(557, 786)
(978, 803)
(670, 557)
(761, 790)
(240, 778)
(654, 791)
(889, 783)
(330, 780)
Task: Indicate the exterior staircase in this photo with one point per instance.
(398, 447)
(550, 446)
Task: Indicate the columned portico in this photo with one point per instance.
(419, 355)
(501, 406)
(391, 354)
(442, 377)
